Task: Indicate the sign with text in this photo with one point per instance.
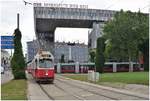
(60, 5)
(7, 42)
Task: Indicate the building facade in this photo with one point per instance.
(5, 58)
(32, 48)
(75, 52)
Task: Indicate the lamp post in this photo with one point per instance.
(18, 20)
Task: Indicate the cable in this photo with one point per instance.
(111, 5)
(144, 7)
(61, 1)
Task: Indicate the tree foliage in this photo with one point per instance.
(100, 59)
(144, 48)
(92, 55)
(18, 62)
(62, 60)
(124, 32)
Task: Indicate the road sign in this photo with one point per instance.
(7, 42)
(7, 47)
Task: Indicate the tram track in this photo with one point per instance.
(45, 90)
(76, 90)
(88, 90)
(113, 98)
(72, 94)
(49, 96)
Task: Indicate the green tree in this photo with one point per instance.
(100, 59)
(92, 55)
(144, 48)
(143, 30)
(62, 60)
(18, 62)
(124, 32)
(108, 51)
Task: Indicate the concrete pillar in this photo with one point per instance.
(95, 33)
(97, 29)
(131, 67)
(114, 67)
(70, 57)
(58, 68)
(77, 67)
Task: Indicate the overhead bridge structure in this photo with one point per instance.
(47, 19)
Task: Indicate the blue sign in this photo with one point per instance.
(7, 47)
(7, 42)
(6, 38)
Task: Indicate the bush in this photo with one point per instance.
(100, 59)
(62, 60)
(92, 55)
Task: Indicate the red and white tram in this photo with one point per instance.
(42, 66)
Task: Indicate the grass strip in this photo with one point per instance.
(14, 90)
(122, 77)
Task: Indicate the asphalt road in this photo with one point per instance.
(66, 89)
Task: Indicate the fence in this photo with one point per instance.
(84, 67)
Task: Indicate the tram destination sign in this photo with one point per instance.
(60, 5)
(7, 42)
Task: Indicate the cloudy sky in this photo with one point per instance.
(10, 8)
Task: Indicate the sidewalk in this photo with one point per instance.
(6, 77)
(141, 89)
(137, 88)
(34, 90)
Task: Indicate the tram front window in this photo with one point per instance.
(45, 63)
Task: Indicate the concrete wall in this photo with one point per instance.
(73, 13)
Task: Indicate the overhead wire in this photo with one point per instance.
(145, 7)
(111, 5)
(61, 1)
